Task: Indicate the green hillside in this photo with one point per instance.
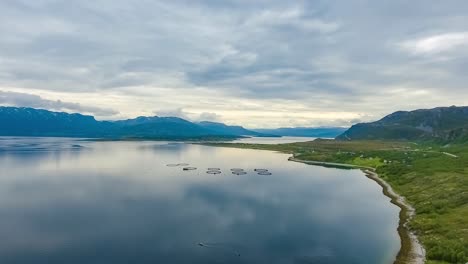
(442, 124)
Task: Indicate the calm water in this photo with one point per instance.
(72, 201)
(273, 140)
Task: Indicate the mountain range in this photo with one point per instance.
(442, 124)
(23, 121)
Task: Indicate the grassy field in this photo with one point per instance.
(433, 179)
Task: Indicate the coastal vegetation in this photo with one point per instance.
(433, 178)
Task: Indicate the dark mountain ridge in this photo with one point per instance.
(444, 124)
(24, 121)
(225, 129)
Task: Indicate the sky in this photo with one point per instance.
(260, 64)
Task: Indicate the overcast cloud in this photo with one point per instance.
(30, 100)
(254, 63)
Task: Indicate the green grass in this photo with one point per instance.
(368, 162)
(435, 184)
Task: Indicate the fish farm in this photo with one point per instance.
(215, 170)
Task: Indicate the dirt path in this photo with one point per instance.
(450, 154)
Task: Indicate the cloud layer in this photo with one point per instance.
(256, 63)
(35, 101)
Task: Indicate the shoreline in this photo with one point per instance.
(411, 250)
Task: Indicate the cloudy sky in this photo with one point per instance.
(254, 63)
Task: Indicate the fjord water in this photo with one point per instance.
(77, 201)
(272, 140)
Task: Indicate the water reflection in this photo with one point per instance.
(117, 202)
